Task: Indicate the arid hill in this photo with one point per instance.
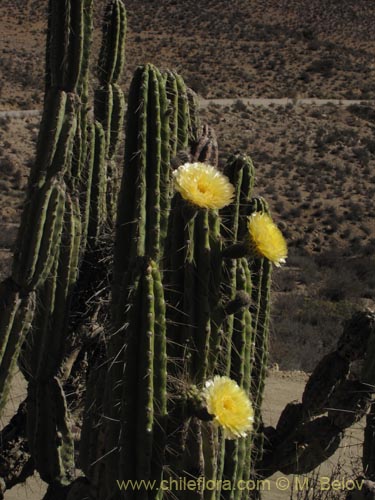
(268, 48)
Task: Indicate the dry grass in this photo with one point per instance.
(334, 482)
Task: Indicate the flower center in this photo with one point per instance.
(202, 187)
(228, 404)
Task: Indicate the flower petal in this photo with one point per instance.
(266, 238)
(230, 406)
(203, 185)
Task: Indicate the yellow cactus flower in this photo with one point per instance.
(266, 238)
(203, 185)
(230, 407)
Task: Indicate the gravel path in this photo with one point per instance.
(204, 103)
(282, 102)
(20, 113)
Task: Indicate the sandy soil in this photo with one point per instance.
(284, 387)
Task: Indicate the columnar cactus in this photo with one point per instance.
(69, 191)
(144, 208)
(49, 435)
(207, 328)
(177, 362)
(39, 238)
(110, 107)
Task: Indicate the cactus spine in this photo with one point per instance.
(110, 106)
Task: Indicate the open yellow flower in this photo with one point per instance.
(230, 406)
(266, 238)
(203, 185)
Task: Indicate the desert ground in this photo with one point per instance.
(315, 162)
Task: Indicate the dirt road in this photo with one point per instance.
(204, 103)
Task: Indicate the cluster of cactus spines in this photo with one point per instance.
(199, 301)
(261, 292)
(141, 405)
(101, 178)
(212, 331)
(137, 193)
(157, 127)
(309, 432)
(67, 52)
(246, 338)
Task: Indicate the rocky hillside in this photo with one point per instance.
(269, 48)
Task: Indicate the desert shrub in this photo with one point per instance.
(279, 207)
(364, 270)
(355, 211)
(325, 314)
(314, 324)
(286, 303)
(369, 248)
(363, 112)
(262, 157)
(18, 180)
(362, 155)
(324, 66)
(284, 280)
(198, 85)
(370, 144)
(316, 113)
(365, 229)
(340, 285)
(295, 212)
(308, 270)
(5, 122)
(314, 45)
(7, 166)
(331, 258)
(239, 106)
